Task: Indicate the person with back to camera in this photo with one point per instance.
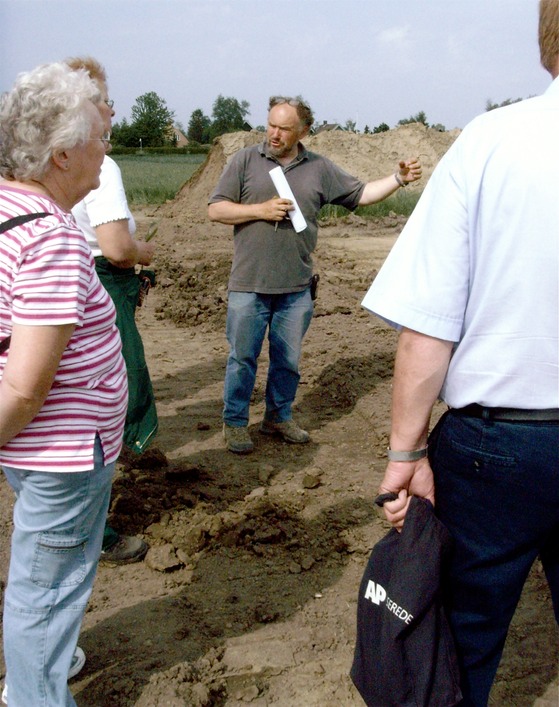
(106, 220)
(270, 282)
(63, 389)
(473, 283)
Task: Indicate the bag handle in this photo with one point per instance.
(6, 226)
(19, 220)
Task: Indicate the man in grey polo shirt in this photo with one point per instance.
(269, 287)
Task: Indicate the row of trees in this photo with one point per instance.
(228, 116)
(422, 118)
(383, 127)
(152, 122)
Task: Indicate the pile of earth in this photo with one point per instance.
(194, 281)
(367, 157)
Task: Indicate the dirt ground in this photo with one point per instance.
(248, 593)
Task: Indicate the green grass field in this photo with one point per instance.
(154, 179)
(402, 202)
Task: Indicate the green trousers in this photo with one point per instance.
(123, 285)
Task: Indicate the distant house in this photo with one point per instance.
(178, 137)
(328, 127)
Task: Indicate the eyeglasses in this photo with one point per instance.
(110, 102)
(105, 139)
(278, 100)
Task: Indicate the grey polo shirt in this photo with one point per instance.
(276, 261)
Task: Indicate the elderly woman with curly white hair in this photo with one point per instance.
(63, 390)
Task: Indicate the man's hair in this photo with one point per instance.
(549, 34)
(301, 106)
(46, 110)
(95, 70)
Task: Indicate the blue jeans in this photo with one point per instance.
(249, 314)
(59, 520)
(497, 491)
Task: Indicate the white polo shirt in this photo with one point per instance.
(105, 204)
(478, 260)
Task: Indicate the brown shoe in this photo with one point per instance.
(237, 439)
(124, 551)
(289, 431)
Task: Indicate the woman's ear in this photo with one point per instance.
(61, 159)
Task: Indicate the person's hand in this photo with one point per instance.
(406, 479)
(409, 170)
(146, 252)
(276, 209)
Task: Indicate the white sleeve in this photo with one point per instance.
(424, 282)
(108, 202)
(102, 205)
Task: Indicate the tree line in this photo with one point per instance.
(153, 124)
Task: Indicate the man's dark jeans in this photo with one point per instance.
(497, 491)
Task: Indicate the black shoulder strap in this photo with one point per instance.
(19, 220)
(12, 223)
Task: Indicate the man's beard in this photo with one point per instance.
(279, 151)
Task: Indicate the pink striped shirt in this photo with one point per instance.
(47, 277)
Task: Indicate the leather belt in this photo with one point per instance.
(508, 414)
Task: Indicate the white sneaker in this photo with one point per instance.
(78, 661)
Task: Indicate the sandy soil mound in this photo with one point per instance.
(366, 156)
(194, 281)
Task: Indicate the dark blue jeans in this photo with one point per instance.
(497, 491)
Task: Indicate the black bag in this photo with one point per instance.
(314, 286)
(404, 652)
(12, 223)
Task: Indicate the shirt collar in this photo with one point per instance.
(553, 86)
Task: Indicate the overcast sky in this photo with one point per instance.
(371, 61)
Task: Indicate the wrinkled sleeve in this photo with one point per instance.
(424, 282)
(108, 202)
(229, 186)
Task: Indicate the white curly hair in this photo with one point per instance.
(45, 111)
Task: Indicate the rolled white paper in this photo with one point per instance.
(284, 192)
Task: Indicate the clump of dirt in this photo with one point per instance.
(193, 295)
(193, 290)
